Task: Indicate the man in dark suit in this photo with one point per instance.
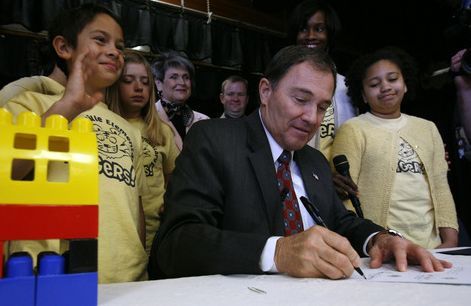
(225, 210)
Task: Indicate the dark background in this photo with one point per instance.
(430, 30)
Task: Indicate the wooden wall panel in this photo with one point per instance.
(242, 11)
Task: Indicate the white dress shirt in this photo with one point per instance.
(267, 258)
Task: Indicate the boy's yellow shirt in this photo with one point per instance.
(121, 254)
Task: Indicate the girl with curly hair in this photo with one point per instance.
(397, 160)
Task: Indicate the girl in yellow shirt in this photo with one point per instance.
(397, 160)
(131, 98)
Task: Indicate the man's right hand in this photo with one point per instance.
(316, 252)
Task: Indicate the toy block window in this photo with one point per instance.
(59, 167)
(25, 141)
(61, 170)
(22, 164)
(58, 144)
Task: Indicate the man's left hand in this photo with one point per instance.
(387, 247)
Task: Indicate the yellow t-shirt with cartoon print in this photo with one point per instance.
(327, 132)
(121, 254)
(158, 162)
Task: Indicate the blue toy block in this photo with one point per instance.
(78, 289)
(17, 291)
(53, 287)
(50, 264)
(18, 286)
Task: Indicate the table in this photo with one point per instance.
(282, 290)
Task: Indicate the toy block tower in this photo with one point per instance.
(57, 199)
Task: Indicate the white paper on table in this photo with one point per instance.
(459, 274)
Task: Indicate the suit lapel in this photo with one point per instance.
(309, 176)
(262, 163)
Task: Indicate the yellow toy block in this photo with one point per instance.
(65, 161)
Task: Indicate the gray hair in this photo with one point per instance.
(171, 60)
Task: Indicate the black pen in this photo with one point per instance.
(314, 212)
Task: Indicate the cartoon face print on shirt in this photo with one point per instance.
(111, 142)
(408, 160)
(327, 128)
(150, 157)
(115, 151)
(405, 151)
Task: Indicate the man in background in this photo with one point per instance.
(234, 96)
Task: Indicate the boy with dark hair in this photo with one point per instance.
(88, 42)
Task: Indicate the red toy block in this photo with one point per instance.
(29, 222)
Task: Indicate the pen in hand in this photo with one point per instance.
(314, 212)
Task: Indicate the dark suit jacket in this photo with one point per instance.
(222, 202)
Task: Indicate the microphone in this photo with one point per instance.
(342, 167)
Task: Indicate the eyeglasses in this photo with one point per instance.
(238, 94)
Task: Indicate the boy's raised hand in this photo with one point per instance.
(78, 96)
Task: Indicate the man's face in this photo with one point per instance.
(293, 111)
(234, 98)
(102, 40)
